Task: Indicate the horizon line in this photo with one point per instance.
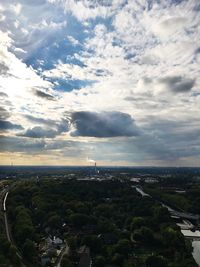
(101, 166)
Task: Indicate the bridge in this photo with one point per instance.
(184, 215)
(192, 235)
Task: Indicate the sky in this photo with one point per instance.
(111, 81)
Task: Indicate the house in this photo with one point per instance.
(57, 241)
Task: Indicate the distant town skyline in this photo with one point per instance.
(116, 82)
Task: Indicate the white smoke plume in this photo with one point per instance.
(91, 160)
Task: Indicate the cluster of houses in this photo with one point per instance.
(51, 252)
(50, 249)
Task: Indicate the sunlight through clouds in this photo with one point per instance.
(129, 69)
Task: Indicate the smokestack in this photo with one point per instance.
(95, 167)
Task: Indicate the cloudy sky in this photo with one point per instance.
(116, 81)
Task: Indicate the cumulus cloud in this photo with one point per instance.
(39, 132)
(19, 144)
(103, 124)
(48, 129)
(4, 114)
(3, 95)
(73, 40)
(7, 125)
(39, 120)
(84, 10)
(170, 26)
(74, 72)
(96, 55)
(166, 84)
(178, 84)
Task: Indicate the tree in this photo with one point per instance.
(13, 256)
(79, 219)
(65, 262)
(22, 232)
(172, 238)
(29, 250)
(161, 214)
(93, 242)
(156, 261)
(54, 221)
(144, 234)
(117, 259)
(4, 245)
(105, 226)
(99, 261)
(123, 247)
(137, 222)
(72, 243)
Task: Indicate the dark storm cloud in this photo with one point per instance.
(4, 114)
(50, 130)
(61, 126)
(39, 132)
(18, 144)
(178, 84)
(168, 139)
(39, 120)
(42, 94)
(103, 124)
(7, 125)
(175, 133)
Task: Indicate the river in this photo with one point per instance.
(196, 251)
(195, 244)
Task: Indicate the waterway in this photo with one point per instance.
(195, 244)
(139, 190)
(196, 251)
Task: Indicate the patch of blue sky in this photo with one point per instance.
(70, 85)
(76, 29)
(47, 56)
(58, 47)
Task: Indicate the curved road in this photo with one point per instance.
(63, 252)
(7, 226)
(5, 218)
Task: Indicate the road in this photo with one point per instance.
(64, 251)
(5, 217)
(4, 194)
(3, 197)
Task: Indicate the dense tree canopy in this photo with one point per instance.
(120, 228)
